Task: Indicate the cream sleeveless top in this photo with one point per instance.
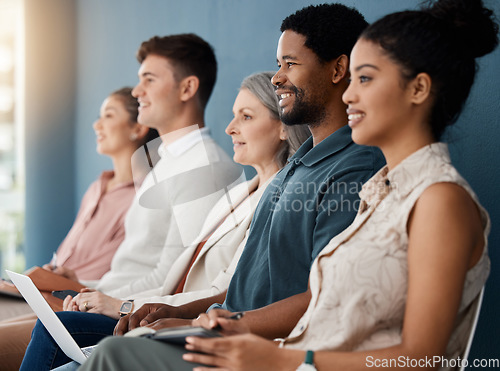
(359, 281)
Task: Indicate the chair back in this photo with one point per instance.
(475, 309)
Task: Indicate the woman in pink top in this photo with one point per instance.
(98, 230)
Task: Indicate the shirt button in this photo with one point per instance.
(387, 182)
(291, 172)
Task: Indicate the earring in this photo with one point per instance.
(133, 137)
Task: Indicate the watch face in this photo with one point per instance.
(126, 307)
(306, 367)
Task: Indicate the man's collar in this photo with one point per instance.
(185, 142)
(335, 142)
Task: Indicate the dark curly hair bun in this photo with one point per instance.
(442, 39)
(473, 27)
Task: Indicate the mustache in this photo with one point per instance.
(291, 88)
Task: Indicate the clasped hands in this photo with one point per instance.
(93, 301)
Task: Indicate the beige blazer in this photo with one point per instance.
(215, 264)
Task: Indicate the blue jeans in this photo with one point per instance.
(86, 328)
(72, 366)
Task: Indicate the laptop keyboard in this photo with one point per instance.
(88, 350)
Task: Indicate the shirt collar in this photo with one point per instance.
(185, 142)
(335, 142)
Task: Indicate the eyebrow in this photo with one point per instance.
(145, 74)
(289, 57)
(366, 65)
(243, 109)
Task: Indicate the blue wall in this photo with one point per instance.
(244, 35)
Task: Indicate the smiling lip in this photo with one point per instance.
(237, 144)
(143, 105)
(283, 97)
(355, 116)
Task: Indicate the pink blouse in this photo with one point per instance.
(98, 229)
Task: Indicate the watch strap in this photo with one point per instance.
(309, 360)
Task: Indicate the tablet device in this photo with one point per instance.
(173, 335)
(61, 294)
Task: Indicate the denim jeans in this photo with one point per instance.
(72, 366)
(87, 329)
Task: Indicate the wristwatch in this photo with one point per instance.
(126, 308)
(308, 364)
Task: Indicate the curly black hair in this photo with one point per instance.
(330, 29)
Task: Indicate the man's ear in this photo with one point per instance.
(140, 131)
(340, 68)
(188, 87)
(420, 88)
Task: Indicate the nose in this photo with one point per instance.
(277, 79)
(232, 127)
(136, 91)
(349, 95)
(97, 124)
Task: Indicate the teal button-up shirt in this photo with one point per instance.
(312, 199)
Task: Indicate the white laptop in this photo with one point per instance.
(49, 319)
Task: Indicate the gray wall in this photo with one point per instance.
(244, 35)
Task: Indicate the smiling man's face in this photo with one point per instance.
(302, 82)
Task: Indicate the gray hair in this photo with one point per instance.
(259, 84)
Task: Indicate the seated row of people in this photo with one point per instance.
(335, 291)
(204, 268)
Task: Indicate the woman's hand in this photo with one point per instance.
(235, 353)
(69, 305)
(92, 301)
(219, 318)
(62, 271)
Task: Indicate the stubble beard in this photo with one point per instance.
(303, 112)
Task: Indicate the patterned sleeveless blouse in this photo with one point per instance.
(359, 281)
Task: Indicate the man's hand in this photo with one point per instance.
(146, 314)
(169, 322)
(149, 313)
